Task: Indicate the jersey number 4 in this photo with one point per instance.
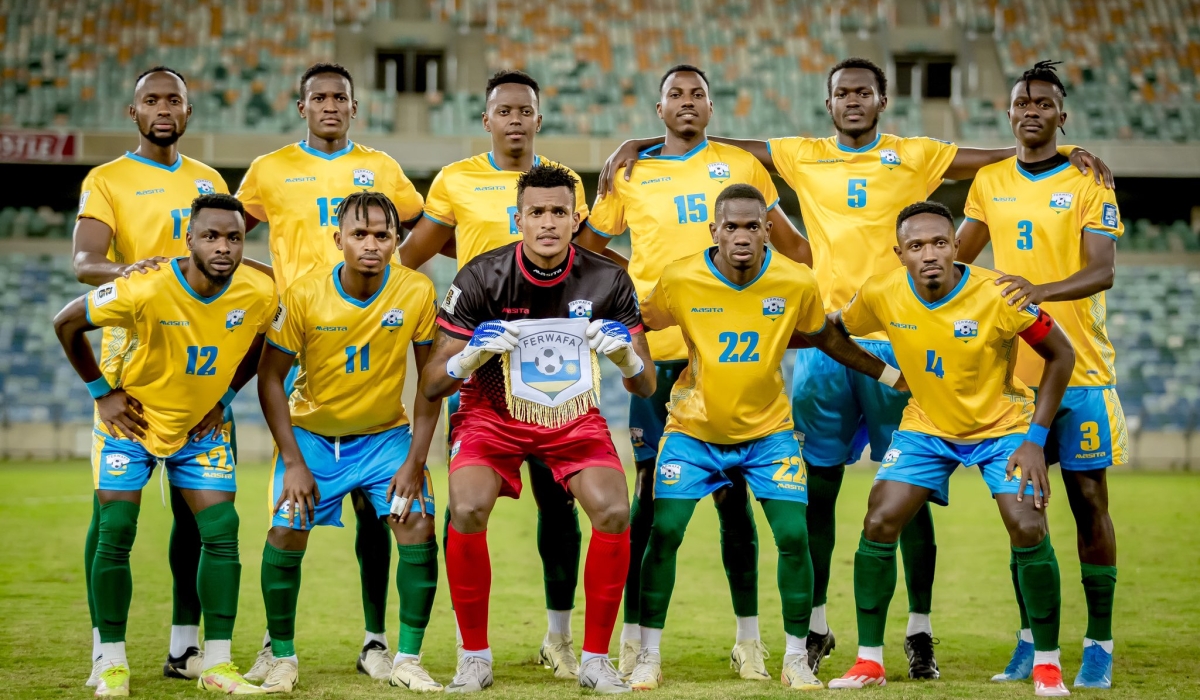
(730, 354)
(933, 364)
(200, 360)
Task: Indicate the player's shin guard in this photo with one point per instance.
(1037, 570)
(1099, 588)
(90, 543)
(416, 581)
(641, 520)
(280, 580)
(874, 585)
(112, 580)
(183, 554)
(373, 546)
(559, 543)
(824, 483)
(671, 516)
(739, 554)
(219, 575)
(918, 550)
(1016, 581)
(794, 573)
(603, 578)
(469, 573)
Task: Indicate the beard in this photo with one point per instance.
(215, 278)
(163, 141)
(855, 132)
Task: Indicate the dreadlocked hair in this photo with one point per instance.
(1046, 72)
(360, 202)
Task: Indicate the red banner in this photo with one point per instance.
(24, 146)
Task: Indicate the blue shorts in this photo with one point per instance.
(341, 465)
(692, 469)
(1088, 431)
(928, 461)
(648, 416)
(125, 465)
(838, 411)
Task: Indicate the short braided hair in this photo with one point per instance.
(360, 202)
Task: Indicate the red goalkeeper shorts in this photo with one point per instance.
(484, 437)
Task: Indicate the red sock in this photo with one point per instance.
(469, 573)
(603, 581)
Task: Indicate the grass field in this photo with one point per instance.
(45, 640)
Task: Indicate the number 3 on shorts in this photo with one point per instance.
(1091, 436)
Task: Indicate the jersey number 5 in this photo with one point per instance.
(856, 193)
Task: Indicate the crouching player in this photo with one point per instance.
(200, 324)
(955, 338)
(542, 276)
(739, 307)
(346, 428)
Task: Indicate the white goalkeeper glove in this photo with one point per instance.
(490, 338)
(612, 339)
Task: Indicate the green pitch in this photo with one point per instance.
(45, 639)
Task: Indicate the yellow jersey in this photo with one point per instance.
(666, 208)
(353, 354)
(188, 346)
(147, 205)
(478, 200)
(850, 197)
(297, 190)
(957, 354)
(1037, 224)
(732, 388)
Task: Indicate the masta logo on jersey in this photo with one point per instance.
(966, 329)
(889, 158)
(235, 318)
(718, 171)
(773, 306)
(364, 178)
(670, 473)
(1061, 201)
(205, 187)
(580, 308)
(393, 319)
(116, 464)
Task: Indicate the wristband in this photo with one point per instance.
(889, 376)
(1037, 434)
(227, 398)
(99, 388)
(455, 369)
(634, 369)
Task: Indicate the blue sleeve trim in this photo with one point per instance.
(87, 309)
(228, 397)
(1101, 233)
(422, 342)
(436, 221)
(769, 149)
(280, 348)
(818, 331)
(772, 205)
(970, 219)
(596, 230)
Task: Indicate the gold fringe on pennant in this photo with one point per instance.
(551, 416)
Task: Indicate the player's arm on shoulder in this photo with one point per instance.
(428, 238)
(787, 239)
(973, 237)
(1097, 276)
(624, 157)
(968, 161)
(758, 148)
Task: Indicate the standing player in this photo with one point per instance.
(955, 337)
(199, 328)
(667, 214)
(738, 308)
(851, 187)
(297, 191)
(470, 208)
(133, 217)
(346, 428)
(1054, 232)
(541, 276)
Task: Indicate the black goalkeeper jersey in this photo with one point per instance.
(498, 286)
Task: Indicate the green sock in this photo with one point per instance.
(874, 585)
(824, 483)
(219, 575)
(671, 516)
(112, 580)
(1099, 587)
(183, 553)
(918, 550)
(1016, 581)
(373, 546)
(1037, 570)
(739, 553)
(281, 589)
(416, 580)
(641, 520)
(559, 541)
(794, 573)
(90, 543)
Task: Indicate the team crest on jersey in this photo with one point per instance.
(116, 464)
(718, 171)
(773, 306)
(637, 437)
(580, 308)
(889, 158)
(205, 187)
(393, 319)
(1061, 201)
(966, 329)
(455, 448)
(669, 473)
(1109, 216)
(364, 178)
(891, 457)
(234, 318)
